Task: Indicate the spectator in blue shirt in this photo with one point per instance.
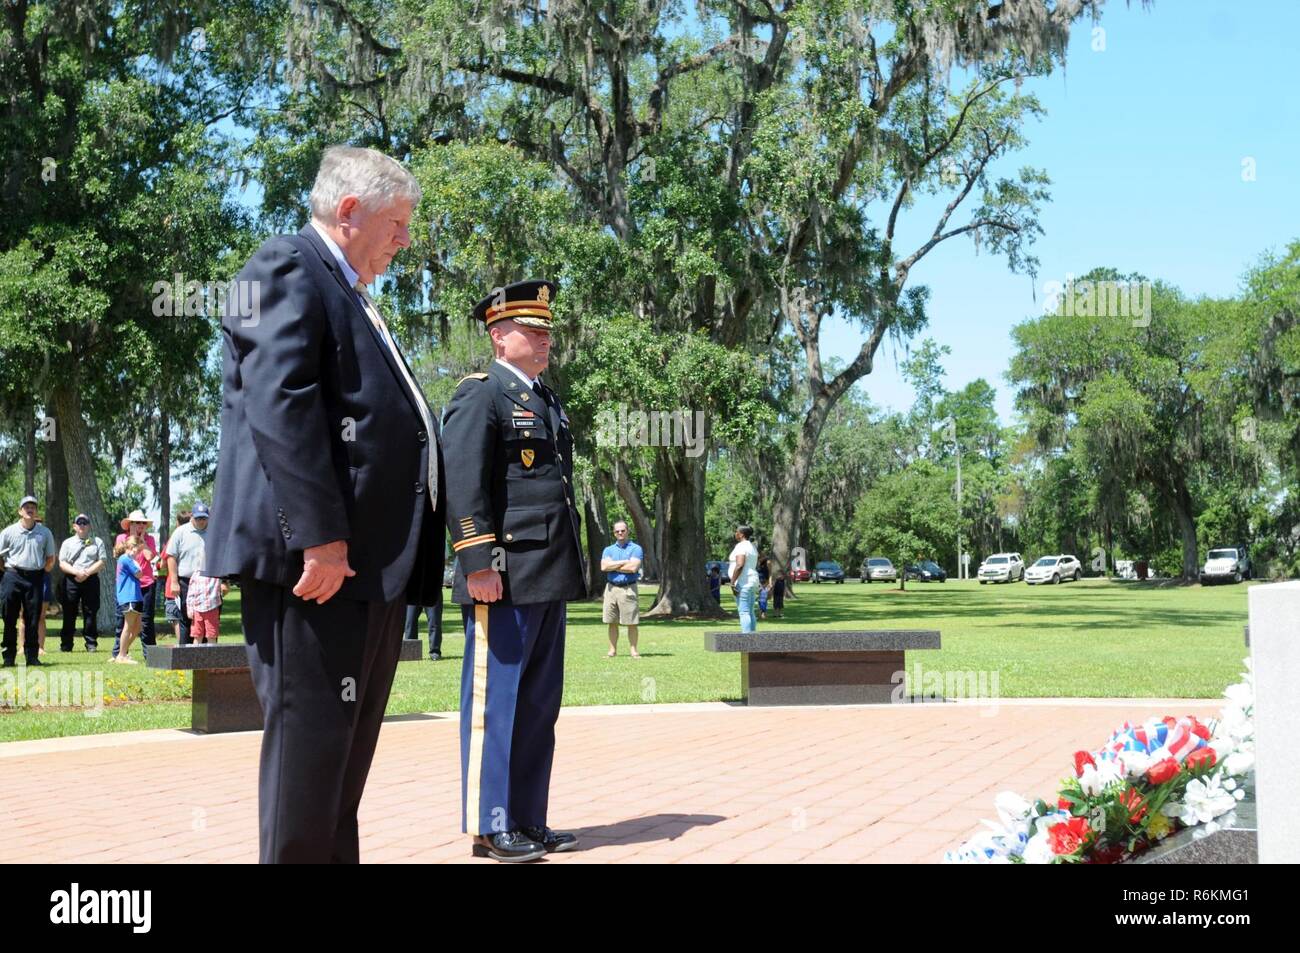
(130, 595)
(621, 564)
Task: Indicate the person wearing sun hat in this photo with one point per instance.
(27, 553)
(515, 529)
(138, 525)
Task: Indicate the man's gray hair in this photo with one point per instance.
(368, 174)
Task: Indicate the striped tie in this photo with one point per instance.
(382, 327)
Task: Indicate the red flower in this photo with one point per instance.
(1201, 755)
(1069, 836)
(1081, 759)
(1133, 801)
(1064, 805)
(1162, 771)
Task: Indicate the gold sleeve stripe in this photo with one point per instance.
(474, 541)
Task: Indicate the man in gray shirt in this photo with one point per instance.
(184, 557)
(27, 553)
(81, 557)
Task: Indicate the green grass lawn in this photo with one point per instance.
(1089, 639)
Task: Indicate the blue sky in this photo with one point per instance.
(1144, 142)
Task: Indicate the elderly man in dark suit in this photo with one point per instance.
(328, 499)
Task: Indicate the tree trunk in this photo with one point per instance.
(56, 498)
(164, 476)
(1182, 506)
(683, 584)
(789, 503)
(29, 460)
(597, 534)
(641, 522)
(659, 529)
(85, 486)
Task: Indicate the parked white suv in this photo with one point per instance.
(1054, 569)
(1225, 563)
(1001, 567)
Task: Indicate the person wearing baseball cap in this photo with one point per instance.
(27, 552)
(185, 554)
(81, 557)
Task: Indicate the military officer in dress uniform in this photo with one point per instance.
(514, 527)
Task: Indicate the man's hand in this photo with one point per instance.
(323, 570)
(484, 585)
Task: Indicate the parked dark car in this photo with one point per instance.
(828, 572)
(722, 567)
(799, 575)
(926, 571)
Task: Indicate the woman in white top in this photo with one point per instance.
(743, 570)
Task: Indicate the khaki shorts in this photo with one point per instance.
(620, 605)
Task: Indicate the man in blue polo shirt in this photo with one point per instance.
(621, 564)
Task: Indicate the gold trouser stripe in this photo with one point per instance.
(477, 720)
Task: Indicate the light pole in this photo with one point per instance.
(949, 426)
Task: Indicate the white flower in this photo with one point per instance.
(1096, 778)
(1242, 694)
(1204, 800)
(1011, 807)
(1135, 763)
(1039, 849)
(1239, 763)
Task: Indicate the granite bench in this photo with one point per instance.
(820, 668)
(223, 698)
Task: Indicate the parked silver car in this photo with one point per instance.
(878, 569)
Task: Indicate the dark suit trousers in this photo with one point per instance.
(322, 674)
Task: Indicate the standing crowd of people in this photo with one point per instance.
(28, 555)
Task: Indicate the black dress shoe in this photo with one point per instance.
(510, 847)
(36, 661)
(435, 656)
(553, 841)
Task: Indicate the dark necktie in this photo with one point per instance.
(551, 415)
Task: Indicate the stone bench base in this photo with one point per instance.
(224, 698)
(821, 668)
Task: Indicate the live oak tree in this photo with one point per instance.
(110, 187)
(680, 134)
(1135, 398)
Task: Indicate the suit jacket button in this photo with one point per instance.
(419, 487)
(422, 436)
(510, 537)
(528, 433)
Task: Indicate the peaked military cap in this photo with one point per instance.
(524, 302)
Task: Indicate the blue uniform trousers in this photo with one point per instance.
(511, 684)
